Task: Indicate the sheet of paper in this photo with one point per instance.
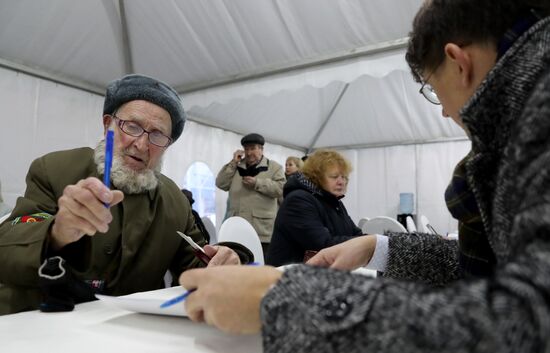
(148, 302)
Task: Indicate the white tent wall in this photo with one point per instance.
(38, 117)
(215, 148)
(381, 174)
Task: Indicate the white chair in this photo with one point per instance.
(411, 227)
(211, 229)
(426, 227)
(362, 221)
(238, 230)
(381, 225)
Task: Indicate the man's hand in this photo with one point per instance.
(228, 297)
(221, 255)
(249, 181)
(82, 211)
(238, 155)
(348, 255)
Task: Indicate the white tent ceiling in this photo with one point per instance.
(304, 73)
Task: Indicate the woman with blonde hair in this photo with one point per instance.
(293, 165)
(312, 215)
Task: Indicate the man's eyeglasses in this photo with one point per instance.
(132, 128)
(428, 92)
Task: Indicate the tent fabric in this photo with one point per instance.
(363, 117)
(201, 41)
(306, 74)
(193, 44)
(40, 117)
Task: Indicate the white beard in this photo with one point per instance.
(123, 178)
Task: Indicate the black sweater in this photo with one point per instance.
(309, 219)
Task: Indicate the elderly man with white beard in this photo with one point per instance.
(70, 236)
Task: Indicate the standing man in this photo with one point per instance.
(254, 183)
(70, 236)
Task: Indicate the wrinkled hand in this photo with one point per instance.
(228, 297)
(249, 181)
(82, 211)
(221, 255)
(348, 255)
(238, 155)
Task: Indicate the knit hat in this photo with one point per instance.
(140, 87)
(253, 139)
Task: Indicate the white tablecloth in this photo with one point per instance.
(99, 328)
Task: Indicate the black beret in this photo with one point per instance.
(140, 87)
(253, 139)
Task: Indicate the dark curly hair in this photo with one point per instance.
(439, 22)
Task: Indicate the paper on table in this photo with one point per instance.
(148, 302)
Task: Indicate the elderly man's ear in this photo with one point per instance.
(107, 119)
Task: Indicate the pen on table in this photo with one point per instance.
(182, 297)
(108, 157)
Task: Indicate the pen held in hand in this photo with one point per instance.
(108, 158)
(182, 297)
(177, 299)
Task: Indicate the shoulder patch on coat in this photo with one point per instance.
(35, 217)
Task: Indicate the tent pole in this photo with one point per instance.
(330, 114)
(126, 47)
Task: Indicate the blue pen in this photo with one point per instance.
(108, 158)
(182, 297)
(177, 299)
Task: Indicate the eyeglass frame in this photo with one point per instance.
(121, 122)
(427, 86)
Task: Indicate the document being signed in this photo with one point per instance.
(148, 302)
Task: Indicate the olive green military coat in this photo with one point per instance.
(139, 247)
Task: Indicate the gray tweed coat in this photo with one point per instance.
(421, 305)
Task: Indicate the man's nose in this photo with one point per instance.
(142, 142)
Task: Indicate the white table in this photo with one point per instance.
(99, 328)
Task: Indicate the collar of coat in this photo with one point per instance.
(264, 162)
(300, 181)
(501, 97)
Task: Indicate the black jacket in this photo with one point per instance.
(309, 219)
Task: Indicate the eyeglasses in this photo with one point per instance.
(428, 91)
(132, 128)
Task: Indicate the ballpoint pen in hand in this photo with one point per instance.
(182, 297)
(108, 158)
(177, 299)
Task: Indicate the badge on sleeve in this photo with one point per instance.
(35, 217)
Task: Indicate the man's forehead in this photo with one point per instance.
(146, 113)
(252, 146)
